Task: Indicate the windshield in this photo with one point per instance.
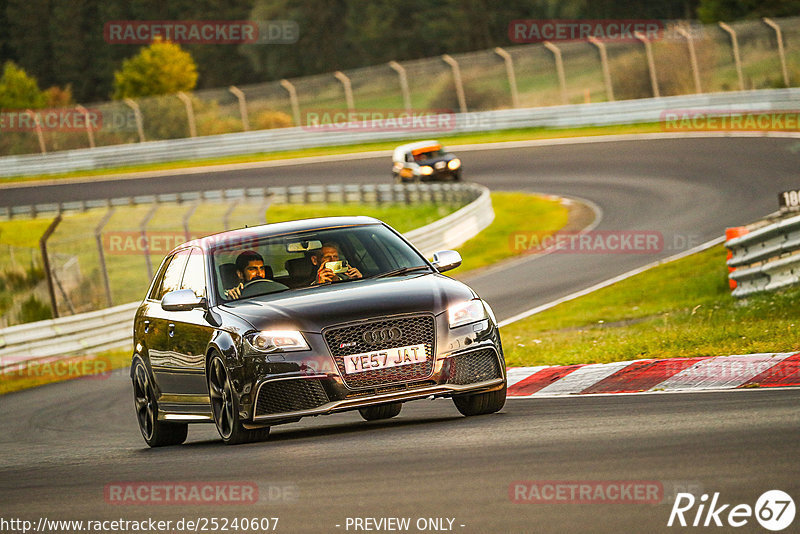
(429, 154)
(293, 262)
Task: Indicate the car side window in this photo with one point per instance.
(194, 277)
(173, 274)
(409, 157)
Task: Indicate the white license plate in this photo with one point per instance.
(383, 359)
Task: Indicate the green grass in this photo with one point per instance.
(514, 212)
(680, 309)
(95, 367)
(490, 137)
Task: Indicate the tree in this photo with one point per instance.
(18, 90)
(162, 68)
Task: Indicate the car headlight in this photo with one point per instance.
(453, 164)
(468, 312)
(276, 341)
(426, 170)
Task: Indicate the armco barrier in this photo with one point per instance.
(300, 194)
(276, 140)
(100, 330)
(767, 258)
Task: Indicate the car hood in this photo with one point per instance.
(311, 310)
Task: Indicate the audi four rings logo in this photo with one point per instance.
(382, 335)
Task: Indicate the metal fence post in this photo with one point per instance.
(348, 89)
(512, 79)
(46, 263)
(604, 65)
(651, 64)
(286, 84)
(401, 73)
(143, 231)
(189, 112)
(242, 106)
(562, 79)
(186, 217)
(89, 130)
(736, 58)
(692, 58)
(137, 114)
(39, 133)
(98, 236)
(462, 101)
(781, 53)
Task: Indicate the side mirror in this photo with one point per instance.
(182, 300)
(444, 260)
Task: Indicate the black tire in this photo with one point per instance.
(156, 433)
(225, 407)
(482, 403)
(384, 411)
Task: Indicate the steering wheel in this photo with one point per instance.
(255, 287)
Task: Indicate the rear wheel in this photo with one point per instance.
(225, 407)
(482, 403)
(156, 433)
(384, 411)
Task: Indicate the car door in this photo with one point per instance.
(164, 365)
(189, 333)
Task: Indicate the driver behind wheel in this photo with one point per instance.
(249, 267)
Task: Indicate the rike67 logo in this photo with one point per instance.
(774, 510)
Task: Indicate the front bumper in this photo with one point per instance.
(328, 394)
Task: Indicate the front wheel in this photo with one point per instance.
(384, 411)
(156, 433)
(481, 403)
(225, 407)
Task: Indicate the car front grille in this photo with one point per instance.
(350, 339)
(391, 389)
(474, 367)
(295, 395)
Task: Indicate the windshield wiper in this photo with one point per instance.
(402, 270)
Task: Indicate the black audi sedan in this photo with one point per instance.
(265, 325)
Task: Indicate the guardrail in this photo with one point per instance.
(301, 194)
(276, 140)
(767, 258)
(93, 332)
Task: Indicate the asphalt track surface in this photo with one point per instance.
(63, 444)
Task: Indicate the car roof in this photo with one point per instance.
(416, 145)
(276, 229)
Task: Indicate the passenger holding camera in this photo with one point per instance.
(329, 267)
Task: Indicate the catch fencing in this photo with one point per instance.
(688, 59)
